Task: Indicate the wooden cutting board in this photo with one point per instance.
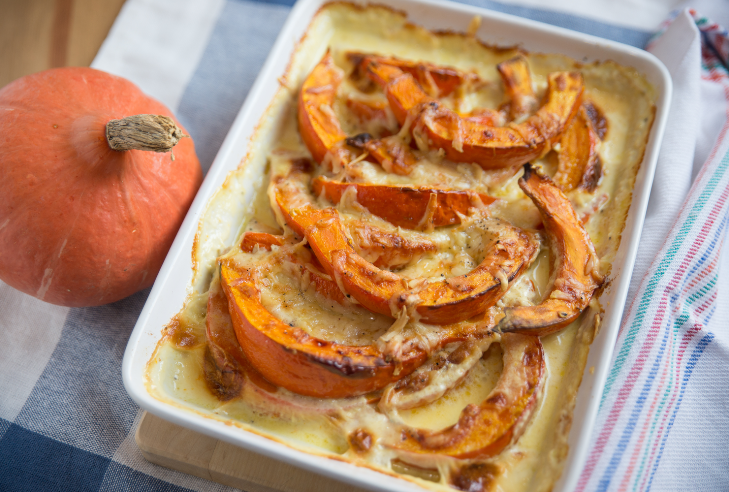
(169, 445)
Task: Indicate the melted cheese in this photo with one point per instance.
(294, 301)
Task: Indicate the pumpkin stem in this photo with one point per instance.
(151, 132)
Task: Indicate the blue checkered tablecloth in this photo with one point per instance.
(66, 422)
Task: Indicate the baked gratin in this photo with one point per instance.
(415, 286)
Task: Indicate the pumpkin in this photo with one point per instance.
(287, 355)
(82, 224)
(484, 430)
(576, 274)
(438, 81)
(466, 140)
(507, 255)
(406, 206)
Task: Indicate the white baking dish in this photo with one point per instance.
(174, 282)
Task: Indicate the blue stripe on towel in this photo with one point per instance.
(237, 49)
(4, 426)
(79, 398)
(121, 477)
(31, 462)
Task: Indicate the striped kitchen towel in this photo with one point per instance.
(67, 424)
(663, 422)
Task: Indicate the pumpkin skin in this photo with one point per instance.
(81, 224)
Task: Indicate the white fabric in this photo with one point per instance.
(157, 44)
(662, 423)
(712, 115)
(680, 51)
(645, 15)
(716, 10)
(30, 331)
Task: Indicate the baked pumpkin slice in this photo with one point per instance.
(436, 80)
(484, 430)
(229, 374)
(442, 372)
(261, 240)
(384, 248)
(576, 276)
(507, 254)
(392, 154)
(518, 87)
(287, 356)
(223, 364)
(466, 140)
(226, 367)
(318, 125)
(579, 164)
(406, 206)
(320, 128)
(322, 134)
(440, 81)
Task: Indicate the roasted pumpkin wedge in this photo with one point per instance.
(485, 430)
(405, 206)
(263, 240)
(368, 110)
(289, 357)
(381, 247)
(318, 125)
(466, 140)
(223, 366)
(323, 136)
(226, 367)
(392, 154)
(518, 85)
(438, 81)
(579, 161)
(450, 300)
(576, 275)
(386, 249)
(443, 371)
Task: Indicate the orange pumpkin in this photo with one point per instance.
(82, 224)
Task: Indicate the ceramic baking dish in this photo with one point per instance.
(175, 280)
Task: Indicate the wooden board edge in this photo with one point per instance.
(171, 446)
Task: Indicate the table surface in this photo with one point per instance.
(39, 34)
